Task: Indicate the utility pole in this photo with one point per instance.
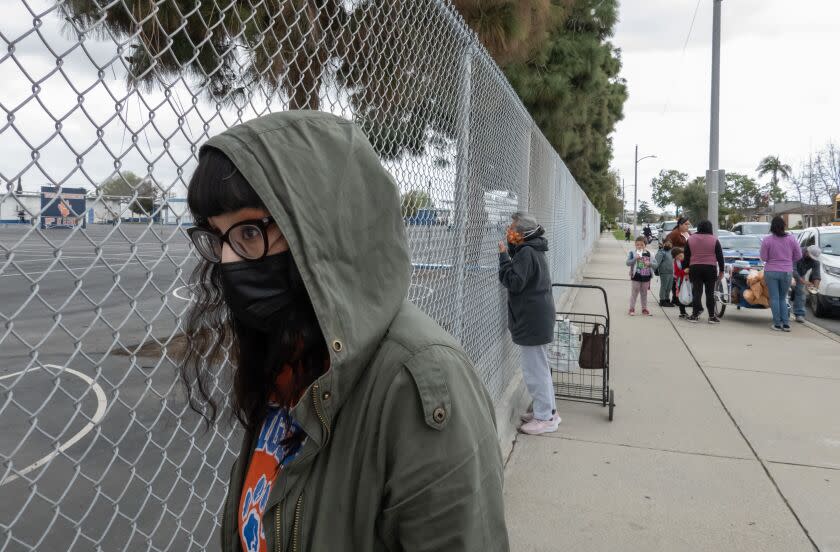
(715, 177)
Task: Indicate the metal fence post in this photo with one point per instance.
(461, 179)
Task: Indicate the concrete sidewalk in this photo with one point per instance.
(725, 438)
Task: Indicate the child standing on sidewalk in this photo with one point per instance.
(665, 271)
(641, 271)
(679, 277)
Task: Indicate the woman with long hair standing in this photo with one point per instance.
(704, 262)
(365, 425)
(779, 251)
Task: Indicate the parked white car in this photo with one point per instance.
(751, 228)
(827, 238)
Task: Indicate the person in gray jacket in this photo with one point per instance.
(665, 271)
(523, 270)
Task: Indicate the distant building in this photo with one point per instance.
(24, 207)
(795, 214)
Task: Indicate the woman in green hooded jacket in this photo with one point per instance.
(365, 425)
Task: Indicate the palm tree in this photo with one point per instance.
(773, 166)
(231, 47)
(509, 29)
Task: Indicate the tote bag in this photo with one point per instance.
(593, 349)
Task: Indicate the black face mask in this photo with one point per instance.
(261, 293)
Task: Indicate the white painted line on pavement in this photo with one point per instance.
(109, 257)
(61, 269)
(101, 404)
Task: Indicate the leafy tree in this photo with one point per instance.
(570, 85)
(741, 192)
(693, 199)
(128, 185)
(667, 186)
(413, 201)
(645, 212)
(611, 204)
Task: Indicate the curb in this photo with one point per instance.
(822, 331)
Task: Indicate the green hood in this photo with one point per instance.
(339, 209)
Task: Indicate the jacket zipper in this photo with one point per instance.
(296, 525)
(299, 505)
(277, 525)
(319, 413)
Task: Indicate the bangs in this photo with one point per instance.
(217, 187)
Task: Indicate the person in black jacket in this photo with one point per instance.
(523, 270)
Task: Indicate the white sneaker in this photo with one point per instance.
(538, 427)
(527, 417)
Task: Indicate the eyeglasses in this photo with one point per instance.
(248, 239)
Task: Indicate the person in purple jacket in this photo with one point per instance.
(779, 251)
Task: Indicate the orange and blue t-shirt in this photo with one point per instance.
(279, 442)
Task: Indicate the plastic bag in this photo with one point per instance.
(685, 295)
(565, 349)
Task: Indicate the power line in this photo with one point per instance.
(682, 55)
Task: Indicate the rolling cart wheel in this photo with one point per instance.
(612, 403)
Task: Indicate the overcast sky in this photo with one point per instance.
(780, 84)
(780, 95)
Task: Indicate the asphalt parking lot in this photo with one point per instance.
(98, 438)
(98, 451)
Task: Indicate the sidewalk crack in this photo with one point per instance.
(773, 373)
(798, 465)
(654, 449)
(745, 438)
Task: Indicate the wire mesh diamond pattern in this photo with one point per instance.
(106, 104)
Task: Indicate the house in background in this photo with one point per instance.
(795, 214)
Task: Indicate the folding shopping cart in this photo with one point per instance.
(580, 353)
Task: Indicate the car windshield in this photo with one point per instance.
(755, 228)
(668, 226)
(740, 242)
(830, 244)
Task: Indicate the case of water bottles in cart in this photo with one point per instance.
(580, 353)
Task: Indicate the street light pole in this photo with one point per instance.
(623, 203)
(636, 190)
(715, 177)
(636, 193)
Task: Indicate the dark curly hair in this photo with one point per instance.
(216, 342)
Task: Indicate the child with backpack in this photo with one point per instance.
(642, 265)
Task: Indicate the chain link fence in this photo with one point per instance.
(106, 104)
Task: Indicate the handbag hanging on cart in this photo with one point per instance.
(592, 349)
